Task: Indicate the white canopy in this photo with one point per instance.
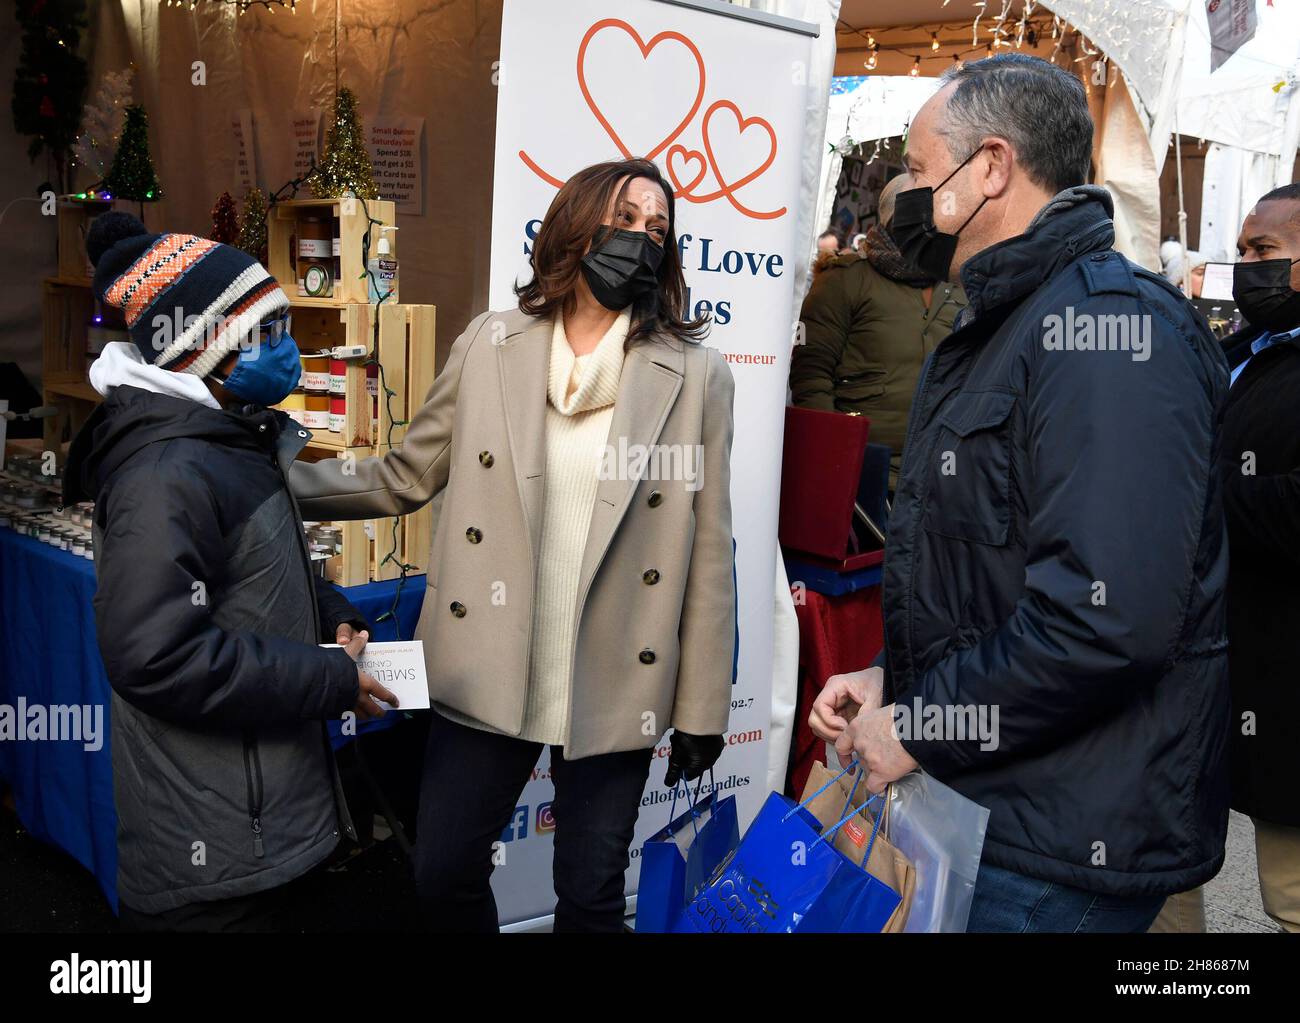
(1240, 104)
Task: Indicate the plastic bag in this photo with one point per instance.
(942, 833)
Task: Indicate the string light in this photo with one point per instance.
(934, 42)
(241, 6)
(916, 68)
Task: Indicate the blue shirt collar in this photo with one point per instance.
(1267, 340)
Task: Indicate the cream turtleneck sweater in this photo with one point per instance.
(580, 396)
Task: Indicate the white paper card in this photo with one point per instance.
(1217, 284)
(399, 668)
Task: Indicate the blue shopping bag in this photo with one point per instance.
(786, 875)
(678, 861)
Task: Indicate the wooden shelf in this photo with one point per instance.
(347, 218)
(73, 389)
(306, 301)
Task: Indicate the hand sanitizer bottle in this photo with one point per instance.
(381, 270)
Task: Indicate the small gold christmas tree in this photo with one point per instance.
(346, 168)
(252, 228)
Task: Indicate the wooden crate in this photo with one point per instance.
(350, 223)
(74, 217)
(403, 335)
(66, 310)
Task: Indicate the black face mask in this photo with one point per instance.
(1263, 293)
(921, 243)
(620, 268)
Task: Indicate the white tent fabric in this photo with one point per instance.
(1250, 110)
(1144, 38)
(1126, 167)
(880, 107)
(1239, 105)
(1234, 180)
(785, 654)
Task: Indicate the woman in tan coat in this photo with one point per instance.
(581, 591)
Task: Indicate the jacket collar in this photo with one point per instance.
(653, 369)
(1073, 223)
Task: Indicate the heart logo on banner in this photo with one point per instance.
(645, 48)
(680, 161)
(690, 156)
(725, 187)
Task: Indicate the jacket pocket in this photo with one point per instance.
(969, 494)
(848, 396)
(253, 783)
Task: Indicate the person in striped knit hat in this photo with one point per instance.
(190, 305)
(208, 615)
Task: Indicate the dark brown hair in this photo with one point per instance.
(576, 213)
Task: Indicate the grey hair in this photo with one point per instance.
(1040, 108)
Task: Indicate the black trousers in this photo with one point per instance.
(472, 783)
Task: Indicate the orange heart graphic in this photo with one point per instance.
(645, 49)
(690, 156)
(726, 188)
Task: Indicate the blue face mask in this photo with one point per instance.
(268, 370)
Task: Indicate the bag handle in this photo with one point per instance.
(672, 809)
(808, 799)
(875, 827)
(828, 832)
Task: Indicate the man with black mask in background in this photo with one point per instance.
(1259, 462)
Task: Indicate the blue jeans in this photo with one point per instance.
(1007, 902)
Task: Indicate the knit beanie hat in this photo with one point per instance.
(188, 301)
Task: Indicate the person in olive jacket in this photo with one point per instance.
(1260, 467)
(868, 325)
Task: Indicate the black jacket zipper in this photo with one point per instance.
(253, 780)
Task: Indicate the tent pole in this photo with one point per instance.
(1182, 210)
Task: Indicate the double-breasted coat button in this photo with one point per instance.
(655, 499)
(485, 459)
(650, 576)
(647, 656)
(458, 609)
(474, 534)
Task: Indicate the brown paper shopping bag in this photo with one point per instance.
(886, 864)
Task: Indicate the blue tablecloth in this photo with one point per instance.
(49, 657)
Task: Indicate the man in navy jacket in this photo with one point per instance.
(1055, 639)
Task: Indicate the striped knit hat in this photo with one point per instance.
(188, 301)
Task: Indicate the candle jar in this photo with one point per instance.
(338, 414)
(315, 257)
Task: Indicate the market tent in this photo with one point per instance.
(402, 58)
(1250, 110)
(1132, 109)
(862, 110)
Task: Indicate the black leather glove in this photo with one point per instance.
(691, 756)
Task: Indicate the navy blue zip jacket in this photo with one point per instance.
(1057, 555)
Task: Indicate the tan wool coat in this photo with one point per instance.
(656, 613)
